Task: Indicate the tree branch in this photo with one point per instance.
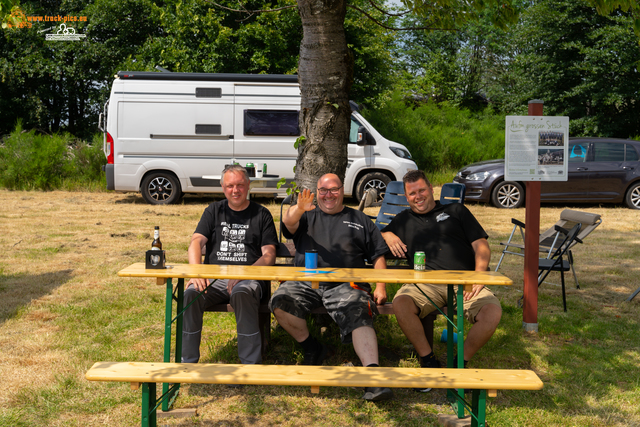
(250, 11)
(394, 28)
(379, 9)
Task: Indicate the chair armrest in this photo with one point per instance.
(516, 222)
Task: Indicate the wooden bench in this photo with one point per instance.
(482, 382)
(284, 256)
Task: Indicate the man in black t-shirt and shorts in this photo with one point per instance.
(343, 237)
(452, 239)
(233, 231)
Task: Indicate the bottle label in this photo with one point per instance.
(156, 238)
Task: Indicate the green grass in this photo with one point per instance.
(64, 308)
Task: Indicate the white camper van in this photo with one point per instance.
(171, 133)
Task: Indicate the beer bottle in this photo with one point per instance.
(156, 244)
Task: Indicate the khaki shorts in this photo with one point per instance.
(438, 294)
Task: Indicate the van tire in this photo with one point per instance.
(161, 188)
(377, 180)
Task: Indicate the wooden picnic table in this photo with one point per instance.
(464, 279)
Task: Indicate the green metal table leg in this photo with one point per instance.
(179, 307)
(167, 321)
(450, 315)
(166, 404)
(455, 397)
(450, 345)
(173, 395)
(148, 405)
(479, 408)
(460, 319)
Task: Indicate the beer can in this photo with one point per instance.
(418, 261)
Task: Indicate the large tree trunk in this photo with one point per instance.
(325, 74)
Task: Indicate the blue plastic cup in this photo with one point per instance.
(443, 337)
(311, 259)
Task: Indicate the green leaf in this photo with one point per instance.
(299, 141)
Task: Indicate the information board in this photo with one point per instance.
(536, 148)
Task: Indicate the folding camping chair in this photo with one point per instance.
(557, 261)
(551, 239)
(393, 203)
(452, 192)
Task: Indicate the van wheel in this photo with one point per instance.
(508, 195)
(633, 196)
(376, 180)
(161, 188)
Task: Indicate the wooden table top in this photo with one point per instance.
(284, 273)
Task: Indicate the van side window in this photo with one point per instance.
(271, 122)
(353, 132)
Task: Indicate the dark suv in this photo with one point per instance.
(600, 170)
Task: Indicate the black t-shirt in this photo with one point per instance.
(343, 240)
(236, 237)
(444, 234)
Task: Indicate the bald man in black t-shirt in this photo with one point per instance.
(343, 237)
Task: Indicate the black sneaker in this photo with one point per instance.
(316, 357)
(433, 363)
(376, 394)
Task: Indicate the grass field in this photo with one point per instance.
(63, 308)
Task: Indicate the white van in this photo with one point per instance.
(167, 133)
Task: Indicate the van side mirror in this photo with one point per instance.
(364, 137)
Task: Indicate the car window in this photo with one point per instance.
(578, 152)
(608, 152)
(632, 154)
(353, 132)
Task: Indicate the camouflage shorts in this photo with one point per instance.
(350, 308)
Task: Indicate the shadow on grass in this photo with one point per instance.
(18, 290)
(187, 199)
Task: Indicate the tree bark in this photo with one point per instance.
(325, 73)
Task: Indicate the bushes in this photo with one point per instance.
(440, 137)
(32, 161)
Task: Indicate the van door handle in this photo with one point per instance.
(582, 169)
(627, 168)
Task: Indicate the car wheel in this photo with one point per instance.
(376, 180)
(161, 188)
(508, 195)
(633, 196)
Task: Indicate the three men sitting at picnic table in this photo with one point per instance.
(237, 231)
